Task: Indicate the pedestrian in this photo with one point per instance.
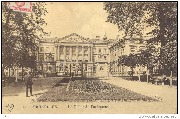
(28, 83)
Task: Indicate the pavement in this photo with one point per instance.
(167, 104)
(167, 95)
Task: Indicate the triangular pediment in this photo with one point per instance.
(73, 38)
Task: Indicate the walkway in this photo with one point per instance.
(166, 94)
(167, 104)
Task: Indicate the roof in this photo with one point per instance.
(75, 38)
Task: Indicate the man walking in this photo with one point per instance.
(28, 83)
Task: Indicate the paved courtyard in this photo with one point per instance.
(167, 104)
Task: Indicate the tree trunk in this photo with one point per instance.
(9, 71)
(122, 70)
(161, 34)
(22, 73)
(171, 77)
(132, 73)
(147, 75)
(139, 75)
(16, 73)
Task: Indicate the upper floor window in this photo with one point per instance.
(73, 51)
(41, 49)
(101, 68)
(132, 48)
(49, 57)
(47, 49)
(79, 50)
(41, 57)
(99, 50)
(105, 50)
(105, 57)
(85, 50)
(67, 50)
(61, 50)
(52, 49)
(142, 48)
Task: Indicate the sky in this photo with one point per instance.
(87, 19)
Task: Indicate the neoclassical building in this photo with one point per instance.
(125, 47)
(74, 54)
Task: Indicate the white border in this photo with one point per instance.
(99, 116)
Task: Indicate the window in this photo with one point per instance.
(47, 49)
(67, 50)
(142, 48)
(105, 57)
(61, 67)
(74, 51)
(132, 48)
(85, 67)
(79, 50)
(61, 51)
(52, 50)
(86, 51)
(104, 50)
(94, 50)
(101, 68)
(99, 50)
(49, 57)
(41, 57)
(41, 49)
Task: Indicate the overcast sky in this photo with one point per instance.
(84, 18)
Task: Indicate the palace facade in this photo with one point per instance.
(74, 54)
(79, 56)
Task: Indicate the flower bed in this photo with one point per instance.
(91, 90)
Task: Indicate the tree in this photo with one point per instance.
(130, 61)
(161, 16)
(169, 58)
(122, 61)
(20, 32)
(129, 16)
(126, 15)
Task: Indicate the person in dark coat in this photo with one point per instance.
(28, 83)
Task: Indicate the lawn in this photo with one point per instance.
(14, 88)
(90, 90)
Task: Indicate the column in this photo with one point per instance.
(55, 53)
(71, 53)
(64, 51)
(89, 53)
(91, 56)
(37, 56)
(76, 53)
(118, 70)
(58, 53)
(82, 53)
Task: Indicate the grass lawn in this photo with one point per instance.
(14, 88)
(90, 90)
